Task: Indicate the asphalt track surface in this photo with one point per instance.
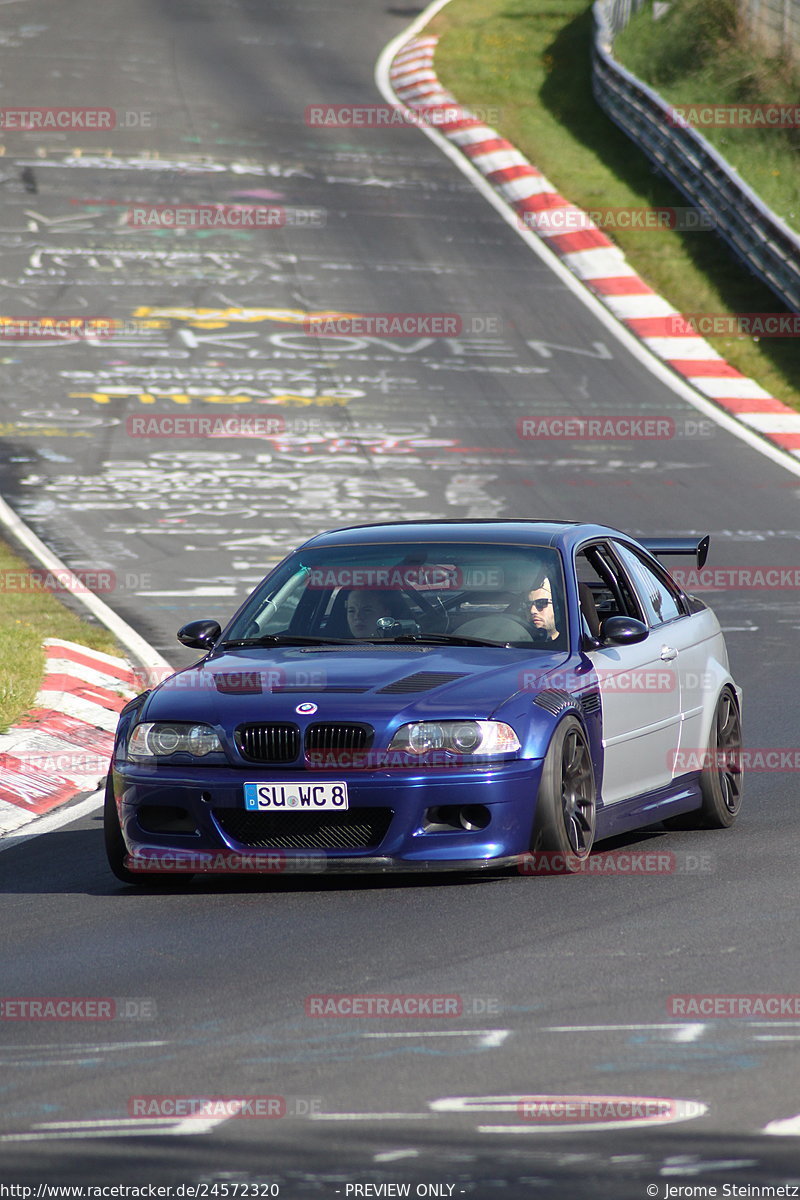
(565, 980)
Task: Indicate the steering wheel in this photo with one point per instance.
(434, 612)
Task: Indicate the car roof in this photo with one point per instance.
(498, 530)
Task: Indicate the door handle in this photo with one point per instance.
(668, 654)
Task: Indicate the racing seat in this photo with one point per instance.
(589, 609)
(496, 616)
(335, 624)
(493, 603)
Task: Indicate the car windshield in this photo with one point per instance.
(455, 592)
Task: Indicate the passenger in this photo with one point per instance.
(365, 607)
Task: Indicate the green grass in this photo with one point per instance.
(530, 59)
(30, 614)
(698, 54)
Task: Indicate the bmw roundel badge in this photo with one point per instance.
(306, 708)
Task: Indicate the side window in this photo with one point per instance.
(660, 601)
(604, 590)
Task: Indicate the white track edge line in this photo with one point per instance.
(48, 822)
(133, 642)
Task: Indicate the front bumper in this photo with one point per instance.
(507, 792)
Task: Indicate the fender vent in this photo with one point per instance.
(555, 701)
(590, 703)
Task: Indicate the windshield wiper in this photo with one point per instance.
(300, 639)
(287, 639)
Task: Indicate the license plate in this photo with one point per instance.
(295, 797)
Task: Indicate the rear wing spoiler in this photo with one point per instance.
(664, 547)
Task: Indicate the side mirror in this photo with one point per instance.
(623, 631)
(200, 635)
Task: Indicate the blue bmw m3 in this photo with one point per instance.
(429, 696)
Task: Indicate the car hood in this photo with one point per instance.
(349, 683)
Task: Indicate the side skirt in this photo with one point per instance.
(681, 796)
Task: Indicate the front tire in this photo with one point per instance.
(566, 808)
(116, 850)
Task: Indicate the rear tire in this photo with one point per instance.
(116, 851)
(566, 809)
(721, 777)
(721, 780)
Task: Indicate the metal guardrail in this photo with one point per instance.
(764, 243)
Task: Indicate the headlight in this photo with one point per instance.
(456, 737)
(159, 739)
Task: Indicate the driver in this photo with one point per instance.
(540, 607)
(542, 611)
